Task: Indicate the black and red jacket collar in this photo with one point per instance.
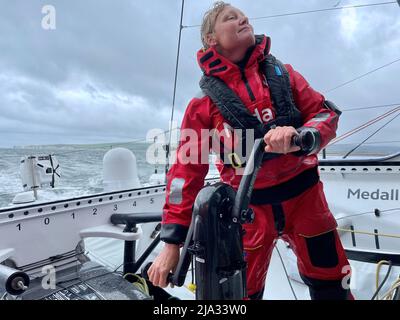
(214, 64)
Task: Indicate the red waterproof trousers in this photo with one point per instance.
(306, 223)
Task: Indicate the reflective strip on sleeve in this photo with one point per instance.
(320, 117)
(175, 193)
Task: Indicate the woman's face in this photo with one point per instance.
(232, 31)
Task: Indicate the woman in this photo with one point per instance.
(288, 199)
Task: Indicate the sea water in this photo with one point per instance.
(81, 169)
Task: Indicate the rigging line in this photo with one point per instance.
(326, 9)
(368, 123)
(361, 76)
(389, 263)
(370, 136)
(383, 142)
(309, 11)
(386, 235)
(286, 273)
(364, 213)
(372, 142)
(371, 107)
(174, 93)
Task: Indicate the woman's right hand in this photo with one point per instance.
(165, 262)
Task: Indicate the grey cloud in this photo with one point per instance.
(118, 58)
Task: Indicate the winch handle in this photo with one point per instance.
(306, 140)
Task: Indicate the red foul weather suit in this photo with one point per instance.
(297, 211)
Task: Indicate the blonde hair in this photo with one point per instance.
(209, 19)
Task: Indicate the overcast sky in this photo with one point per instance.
(105, 73)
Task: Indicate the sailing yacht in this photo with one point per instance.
(94, 247)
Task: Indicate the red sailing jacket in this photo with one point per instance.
(184, 180)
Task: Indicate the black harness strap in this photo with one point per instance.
(290, 189)
(286, 190)
(238, 116)
(278, 80)
(230, 105)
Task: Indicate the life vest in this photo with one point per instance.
(238, 116)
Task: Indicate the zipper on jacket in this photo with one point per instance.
(244, 79)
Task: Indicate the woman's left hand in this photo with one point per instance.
(279, 140)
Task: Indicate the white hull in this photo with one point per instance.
(363, 195)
